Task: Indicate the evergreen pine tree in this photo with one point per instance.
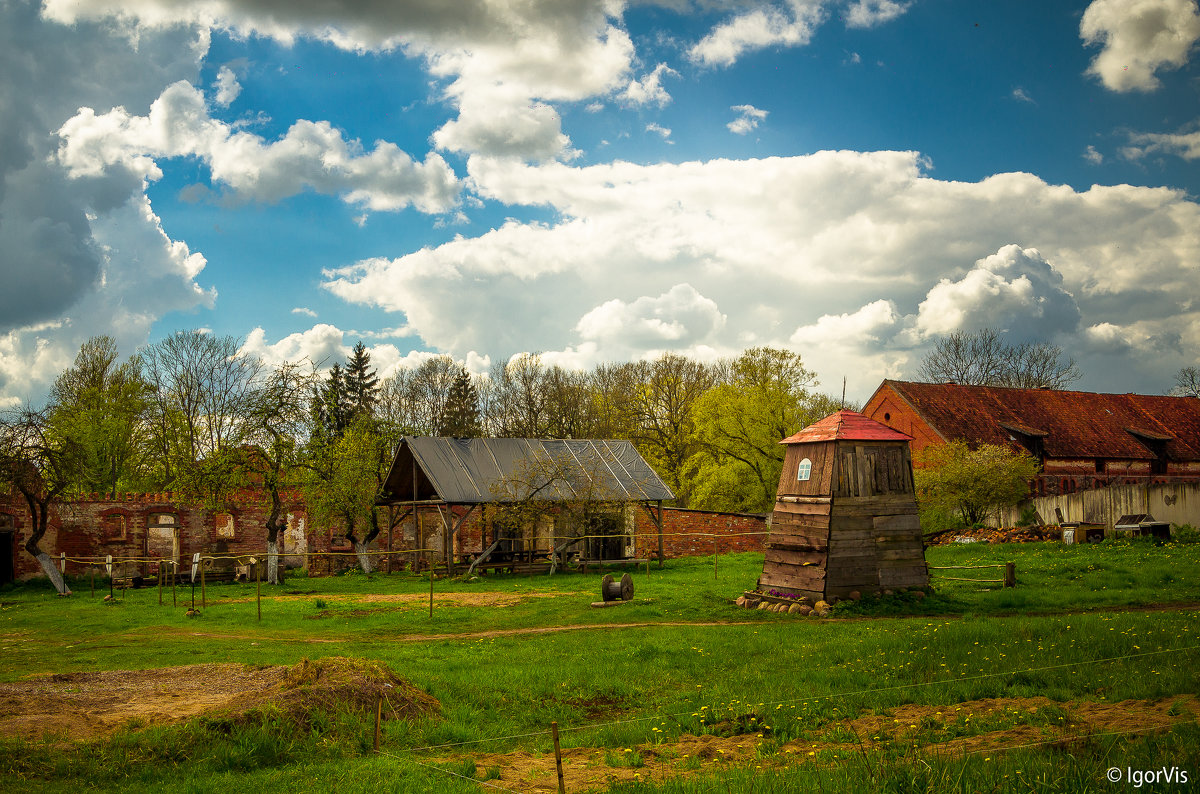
(331, 416)
(360, 386)
(461, 415)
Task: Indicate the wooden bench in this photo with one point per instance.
(601, 564)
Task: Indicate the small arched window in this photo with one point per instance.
(804, 470)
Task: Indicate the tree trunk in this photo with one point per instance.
(39, 511)
(272, 561)
(47, 563)
(364, 561)
(273, 527)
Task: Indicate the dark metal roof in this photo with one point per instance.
(479, 470)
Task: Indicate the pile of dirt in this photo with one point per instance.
(88, 705)
(344, 682)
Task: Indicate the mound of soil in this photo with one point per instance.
(76, 706)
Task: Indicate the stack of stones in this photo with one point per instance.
(801, 605)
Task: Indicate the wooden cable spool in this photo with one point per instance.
(612, 590)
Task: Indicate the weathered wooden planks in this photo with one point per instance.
(852, 525)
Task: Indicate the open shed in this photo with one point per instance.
(442, 473)
(845, 515)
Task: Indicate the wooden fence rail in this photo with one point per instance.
(1009, 580)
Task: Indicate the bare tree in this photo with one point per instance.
(983, 358)
(428, 392)
(517, 398)
(201, 384)
(1187, 382)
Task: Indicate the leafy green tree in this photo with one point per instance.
(100, 404)
(344, 477)
(268, 461)
(39, 465)
(972, 482)
(764, 397)
(661, 406)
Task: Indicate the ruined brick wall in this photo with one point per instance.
(138, 529)
(688, 533)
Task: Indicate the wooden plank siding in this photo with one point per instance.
(852, 525)
(820, 482)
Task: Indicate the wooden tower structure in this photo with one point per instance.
(845, 515)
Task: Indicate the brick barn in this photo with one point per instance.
(1083, 440)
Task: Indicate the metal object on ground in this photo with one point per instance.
(612, 590)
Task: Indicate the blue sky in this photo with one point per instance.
(599, 180)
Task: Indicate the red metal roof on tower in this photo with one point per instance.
(846, 426)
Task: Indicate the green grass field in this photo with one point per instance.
(973, 688)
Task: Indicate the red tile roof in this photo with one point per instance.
(1070, 424)
(846, 426)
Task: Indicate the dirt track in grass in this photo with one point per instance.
(587, 768)
(91, 705)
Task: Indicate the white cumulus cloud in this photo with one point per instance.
(747, 120)
(1138, 38)
(311, 155)
(227, 87)
(792, 249)
(1013, 289)
(869, 13)
(790, 24)
(649, 90)
(1182, 144)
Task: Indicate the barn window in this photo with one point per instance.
(225, 526)
(804, 470)
(114, 527)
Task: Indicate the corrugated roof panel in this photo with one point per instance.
(477, 470)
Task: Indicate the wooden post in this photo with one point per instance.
(378, 715)
(557, 757)
(258, 580)
(160, 576)
(203, 592)
(174, 576)
(431, 592)
(1010, 574)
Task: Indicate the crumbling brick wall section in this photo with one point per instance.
(154, 526)
(139, 529)
(690, 533)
